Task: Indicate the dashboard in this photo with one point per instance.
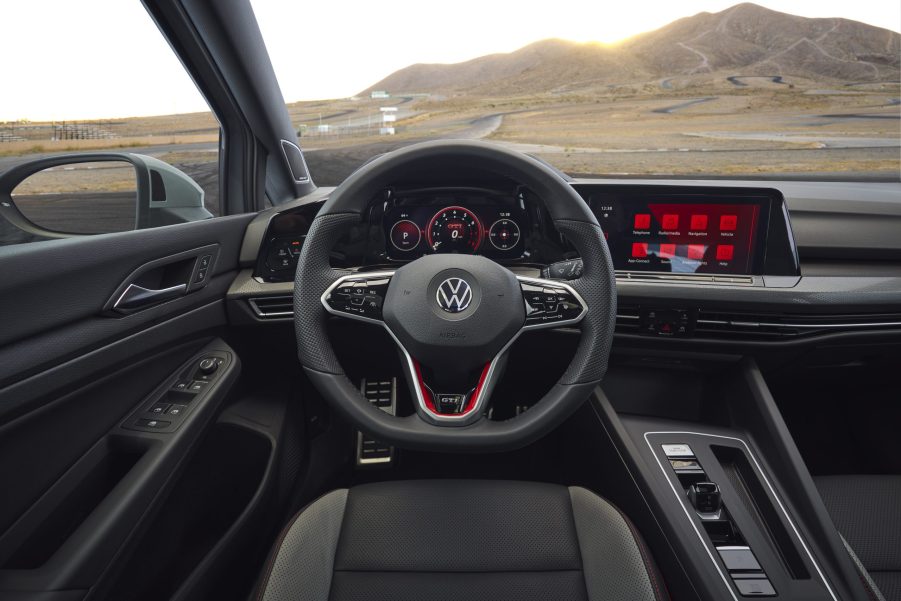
(708, 234)
(833, 267)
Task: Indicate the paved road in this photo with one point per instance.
(736, 80)
(671, 109)
(825, 141)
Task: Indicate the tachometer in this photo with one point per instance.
(454, 229)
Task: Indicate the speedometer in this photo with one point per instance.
(454, 230)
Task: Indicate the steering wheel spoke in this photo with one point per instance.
(359, 296)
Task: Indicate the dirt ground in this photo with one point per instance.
(759, 129)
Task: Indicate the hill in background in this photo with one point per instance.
(744, 40)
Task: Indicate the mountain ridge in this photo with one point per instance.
(743, 40)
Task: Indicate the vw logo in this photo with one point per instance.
(454, 295)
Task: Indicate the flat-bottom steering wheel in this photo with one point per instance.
(454, 317)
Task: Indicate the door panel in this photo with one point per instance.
(77, 477)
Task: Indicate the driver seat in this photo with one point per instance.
(432, 540)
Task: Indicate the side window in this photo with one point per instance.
(101, 128)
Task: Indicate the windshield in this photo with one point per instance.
(655, 89)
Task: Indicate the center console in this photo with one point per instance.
(715, 481)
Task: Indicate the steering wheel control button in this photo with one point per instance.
(359, 297)
(546, 305)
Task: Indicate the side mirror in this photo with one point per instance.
(76, 194)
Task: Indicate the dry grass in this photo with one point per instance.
(606, 130)
(124, 144)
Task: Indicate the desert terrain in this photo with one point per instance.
(744, 93)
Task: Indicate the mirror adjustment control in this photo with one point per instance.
(208, 365)
(705, 497)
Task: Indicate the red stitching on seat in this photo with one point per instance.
(270, 563)
(646, 557)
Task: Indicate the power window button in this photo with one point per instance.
(159, 408)
(152, 424)
(198, 386)
(176, 410)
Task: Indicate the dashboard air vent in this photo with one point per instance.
(628, 319)
(273, 307)
(772, 325)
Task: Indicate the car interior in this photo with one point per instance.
(458, 374)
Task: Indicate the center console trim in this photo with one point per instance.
(769, 487)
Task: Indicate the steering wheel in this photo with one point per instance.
(454, 316)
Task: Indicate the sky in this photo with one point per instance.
(115, 63)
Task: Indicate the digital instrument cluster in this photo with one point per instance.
(490, 225)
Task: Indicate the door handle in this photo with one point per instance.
(136, 296)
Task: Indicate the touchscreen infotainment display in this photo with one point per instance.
(684, 235)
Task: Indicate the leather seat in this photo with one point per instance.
(458, 540)
(866, 511)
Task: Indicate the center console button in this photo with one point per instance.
(755, 587)
(677, 450)
(739, 559)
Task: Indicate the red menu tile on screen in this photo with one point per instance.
(698, 223)
(728, 223)
(643, 221)
(670, 222)
(696, 251)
